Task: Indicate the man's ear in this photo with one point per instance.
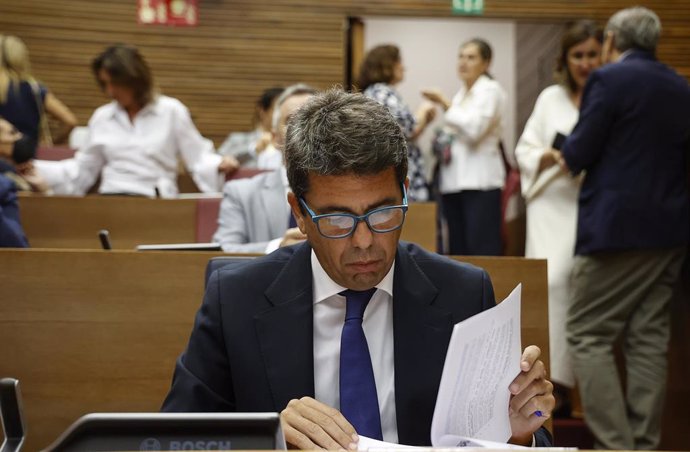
(296, 211)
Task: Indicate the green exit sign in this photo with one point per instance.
(468, 7)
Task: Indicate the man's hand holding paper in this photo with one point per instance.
(532, 401)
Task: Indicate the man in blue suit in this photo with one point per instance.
(280, 333)
(632, 140)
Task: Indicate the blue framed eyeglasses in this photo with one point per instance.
(341, 225)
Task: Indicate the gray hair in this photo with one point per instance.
(337, 133)
(635, 28)
(292, 90)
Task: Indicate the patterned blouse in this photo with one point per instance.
(387, 95)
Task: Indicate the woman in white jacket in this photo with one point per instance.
(550, 193)
(473, 174)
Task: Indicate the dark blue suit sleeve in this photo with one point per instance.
(585, 144)
(543, 438)
(11, 233)
(202, 381)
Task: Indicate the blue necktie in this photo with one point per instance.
(358, 401)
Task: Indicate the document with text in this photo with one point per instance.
(482, 360)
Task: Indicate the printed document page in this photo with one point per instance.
(483, 358)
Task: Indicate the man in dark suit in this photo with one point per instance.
(632, 140)
(271, 336)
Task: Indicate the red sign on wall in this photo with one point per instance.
(168, 12)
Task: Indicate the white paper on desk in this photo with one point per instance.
(454, 442)
(483, 358)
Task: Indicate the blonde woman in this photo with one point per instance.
(23, 100)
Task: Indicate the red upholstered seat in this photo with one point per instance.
(206, 218)
(54, 153)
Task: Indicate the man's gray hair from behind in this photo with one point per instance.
(635, 28)
(339, 133)
(292, 90)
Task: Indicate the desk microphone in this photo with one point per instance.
(12, 418)
(104, 236)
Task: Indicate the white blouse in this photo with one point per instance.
(476, 119)
(139, 156)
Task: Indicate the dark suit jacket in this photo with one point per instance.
(632, 139)
(252, 344)
(11, 233)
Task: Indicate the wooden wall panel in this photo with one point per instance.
(242, 47)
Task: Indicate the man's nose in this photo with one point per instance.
(363, 236)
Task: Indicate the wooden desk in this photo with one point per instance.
(74, 222)
(95, 331)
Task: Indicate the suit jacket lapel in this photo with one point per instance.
(285, 332)
(421, 335)
(274, 200)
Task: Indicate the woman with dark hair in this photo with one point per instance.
(135, 142)
(381, 71)
(473, 174)
(551, 194)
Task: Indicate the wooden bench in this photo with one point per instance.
(98, 331)
(74, 222)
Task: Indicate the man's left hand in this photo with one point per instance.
(531, 401)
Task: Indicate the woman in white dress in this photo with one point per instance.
(550, 193)
(472, 178)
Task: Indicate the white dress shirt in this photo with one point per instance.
(329, 317)
(475, 117)
(138, 156)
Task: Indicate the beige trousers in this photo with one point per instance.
(622, 295)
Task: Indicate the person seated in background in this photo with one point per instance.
(247, 147)
(254, 216)
(381, 71)
(135, 141)
(11, 233)
(24, 101)
(270, 334)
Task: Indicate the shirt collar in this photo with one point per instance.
(153, 107)
(325, 287)
(625, 54)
